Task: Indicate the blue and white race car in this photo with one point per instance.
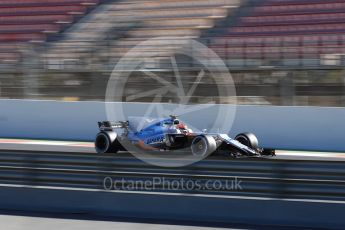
(172, 134)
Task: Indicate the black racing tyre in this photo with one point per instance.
(248, 139)
(203, 145)
(106, 142)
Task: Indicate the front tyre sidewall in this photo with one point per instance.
(248, 139)
(202, 146)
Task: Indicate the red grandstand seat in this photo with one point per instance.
(292, 29)
(20, 37)
(297, 29)
(296, 2)
(292, 19)
(31, 20)
(36, 19)
(300, 8)
(43, 10)
(6, 3)
(45, 28)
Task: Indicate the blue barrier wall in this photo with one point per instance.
(309, 128)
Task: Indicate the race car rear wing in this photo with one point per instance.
(109, 126)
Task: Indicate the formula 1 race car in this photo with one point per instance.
(172, 134)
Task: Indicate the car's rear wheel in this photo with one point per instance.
(248, 139)
(203, 145)
(106, 142)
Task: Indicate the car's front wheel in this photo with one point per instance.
(248, 139)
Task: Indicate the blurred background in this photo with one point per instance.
(279, 52)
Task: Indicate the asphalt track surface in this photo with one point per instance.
(15, 221)
(47, 149)
(88, 147)
(75, 165)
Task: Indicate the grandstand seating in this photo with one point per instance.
(270, 31)
(34, 20)
(179, 19)
(75, 43)
(289, 31)
(121, 24)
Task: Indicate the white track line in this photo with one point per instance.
(46, 142)
(310, 154)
